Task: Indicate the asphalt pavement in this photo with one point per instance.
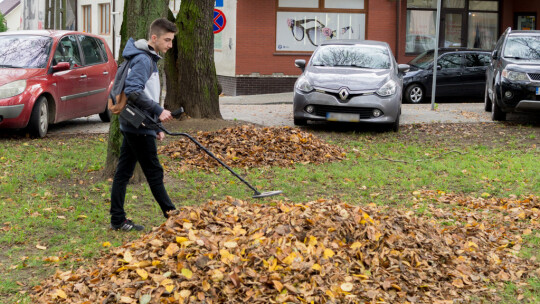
(276, 110)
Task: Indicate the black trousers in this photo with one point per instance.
(137, 148)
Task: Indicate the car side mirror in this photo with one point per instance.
(403, 68)
(495, 55)
(300, 63)
(62, 66)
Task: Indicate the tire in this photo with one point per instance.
(496, 113)
(39, 119)
(414, 93)
(105, 116)
(487, 100)
(300, 122)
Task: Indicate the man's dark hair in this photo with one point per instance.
(161, 26)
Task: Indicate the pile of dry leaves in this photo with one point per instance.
(249, 146)
(318, 252)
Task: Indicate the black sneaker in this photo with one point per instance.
(128, 225)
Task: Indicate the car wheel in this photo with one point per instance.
(105, 116)
(414, 93)
(496, 113)
(487, 100)
(300, 122)
(39, 119)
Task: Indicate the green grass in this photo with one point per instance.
(52, 193)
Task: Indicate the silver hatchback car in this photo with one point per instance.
(350, 81)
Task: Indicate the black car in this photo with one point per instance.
(513, 77)
(461, 72)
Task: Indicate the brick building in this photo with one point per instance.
(255, 52)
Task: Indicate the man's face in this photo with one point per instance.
(163, 43)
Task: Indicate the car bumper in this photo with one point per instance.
(14, 112)
(358, 108)
(520, 97)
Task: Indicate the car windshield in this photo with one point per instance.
(423, 60)
(522, 47)
(365, 56)
(24, 51)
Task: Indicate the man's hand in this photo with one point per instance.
(165, 116)
(160, 135)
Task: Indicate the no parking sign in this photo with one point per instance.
(219, 21)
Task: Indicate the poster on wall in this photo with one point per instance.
(304, 31)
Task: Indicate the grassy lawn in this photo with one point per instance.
(55, 201)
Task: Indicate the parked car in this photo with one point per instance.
(51, 76)
(513, 77)
(460, 72)
(349, 81)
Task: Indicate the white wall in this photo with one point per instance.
(13, 19)
(225, 41)
(116, 20)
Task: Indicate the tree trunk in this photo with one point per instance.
(136, 26)
(191, 72)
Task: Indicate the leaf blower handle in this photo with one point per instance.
(178, 112)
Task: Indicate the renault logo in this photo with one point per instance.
(343, 94)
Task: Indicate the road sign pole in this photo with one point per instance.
(436, 54)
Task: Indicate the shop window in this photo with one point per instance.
(454, 3)
(87, 18)
(298, 30)
(420, 31)
(105, 19)
(482, 32)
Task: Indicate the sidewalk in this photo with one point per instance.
(276, 110)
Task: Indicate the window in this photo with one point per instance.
(68, 51)
(303, 24)
(87, 18)
(103, 50)
(91, 50)
(105, 19)
(450, 61)
(473, 60)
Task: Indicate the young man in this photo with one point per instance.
(142, 88)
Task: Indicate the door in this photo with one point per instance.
(98, 72)
(474, 73)
(70, 84)
(449, 75)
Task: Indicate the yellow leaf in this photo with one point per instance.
(328, 253)
(61, 294)
(312, 241)
(356, 245)
(142, 273)
(278, 285)
(187, 273)
(156, 263)
(458, 283)
(172, 249)
(106, 244)
(121, 269)
(168, 284)
(289, 259)
(485, 195)
(316, 267)
(180, 239)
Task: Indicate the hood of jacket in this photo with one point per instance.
(134, 48)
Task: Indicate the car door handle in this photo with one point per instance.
(105, 73)
(83, 76)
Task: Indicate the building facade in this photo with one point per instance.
(256, 50)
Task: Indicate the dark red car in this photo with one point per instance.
(51, 76)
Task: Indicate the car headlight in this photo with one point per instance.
(12, 89)
(514, 76)
(303, 84)
(389, 88)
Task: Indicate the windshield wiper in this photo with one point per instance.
(7, 66)
(515, 57)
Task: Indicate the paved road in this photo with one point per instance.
(276, 110)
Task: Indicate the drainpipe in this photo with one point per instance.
(398, 22)
(113, 27)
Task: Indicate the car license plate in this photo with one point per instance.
(537, 90)
(343, 117)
